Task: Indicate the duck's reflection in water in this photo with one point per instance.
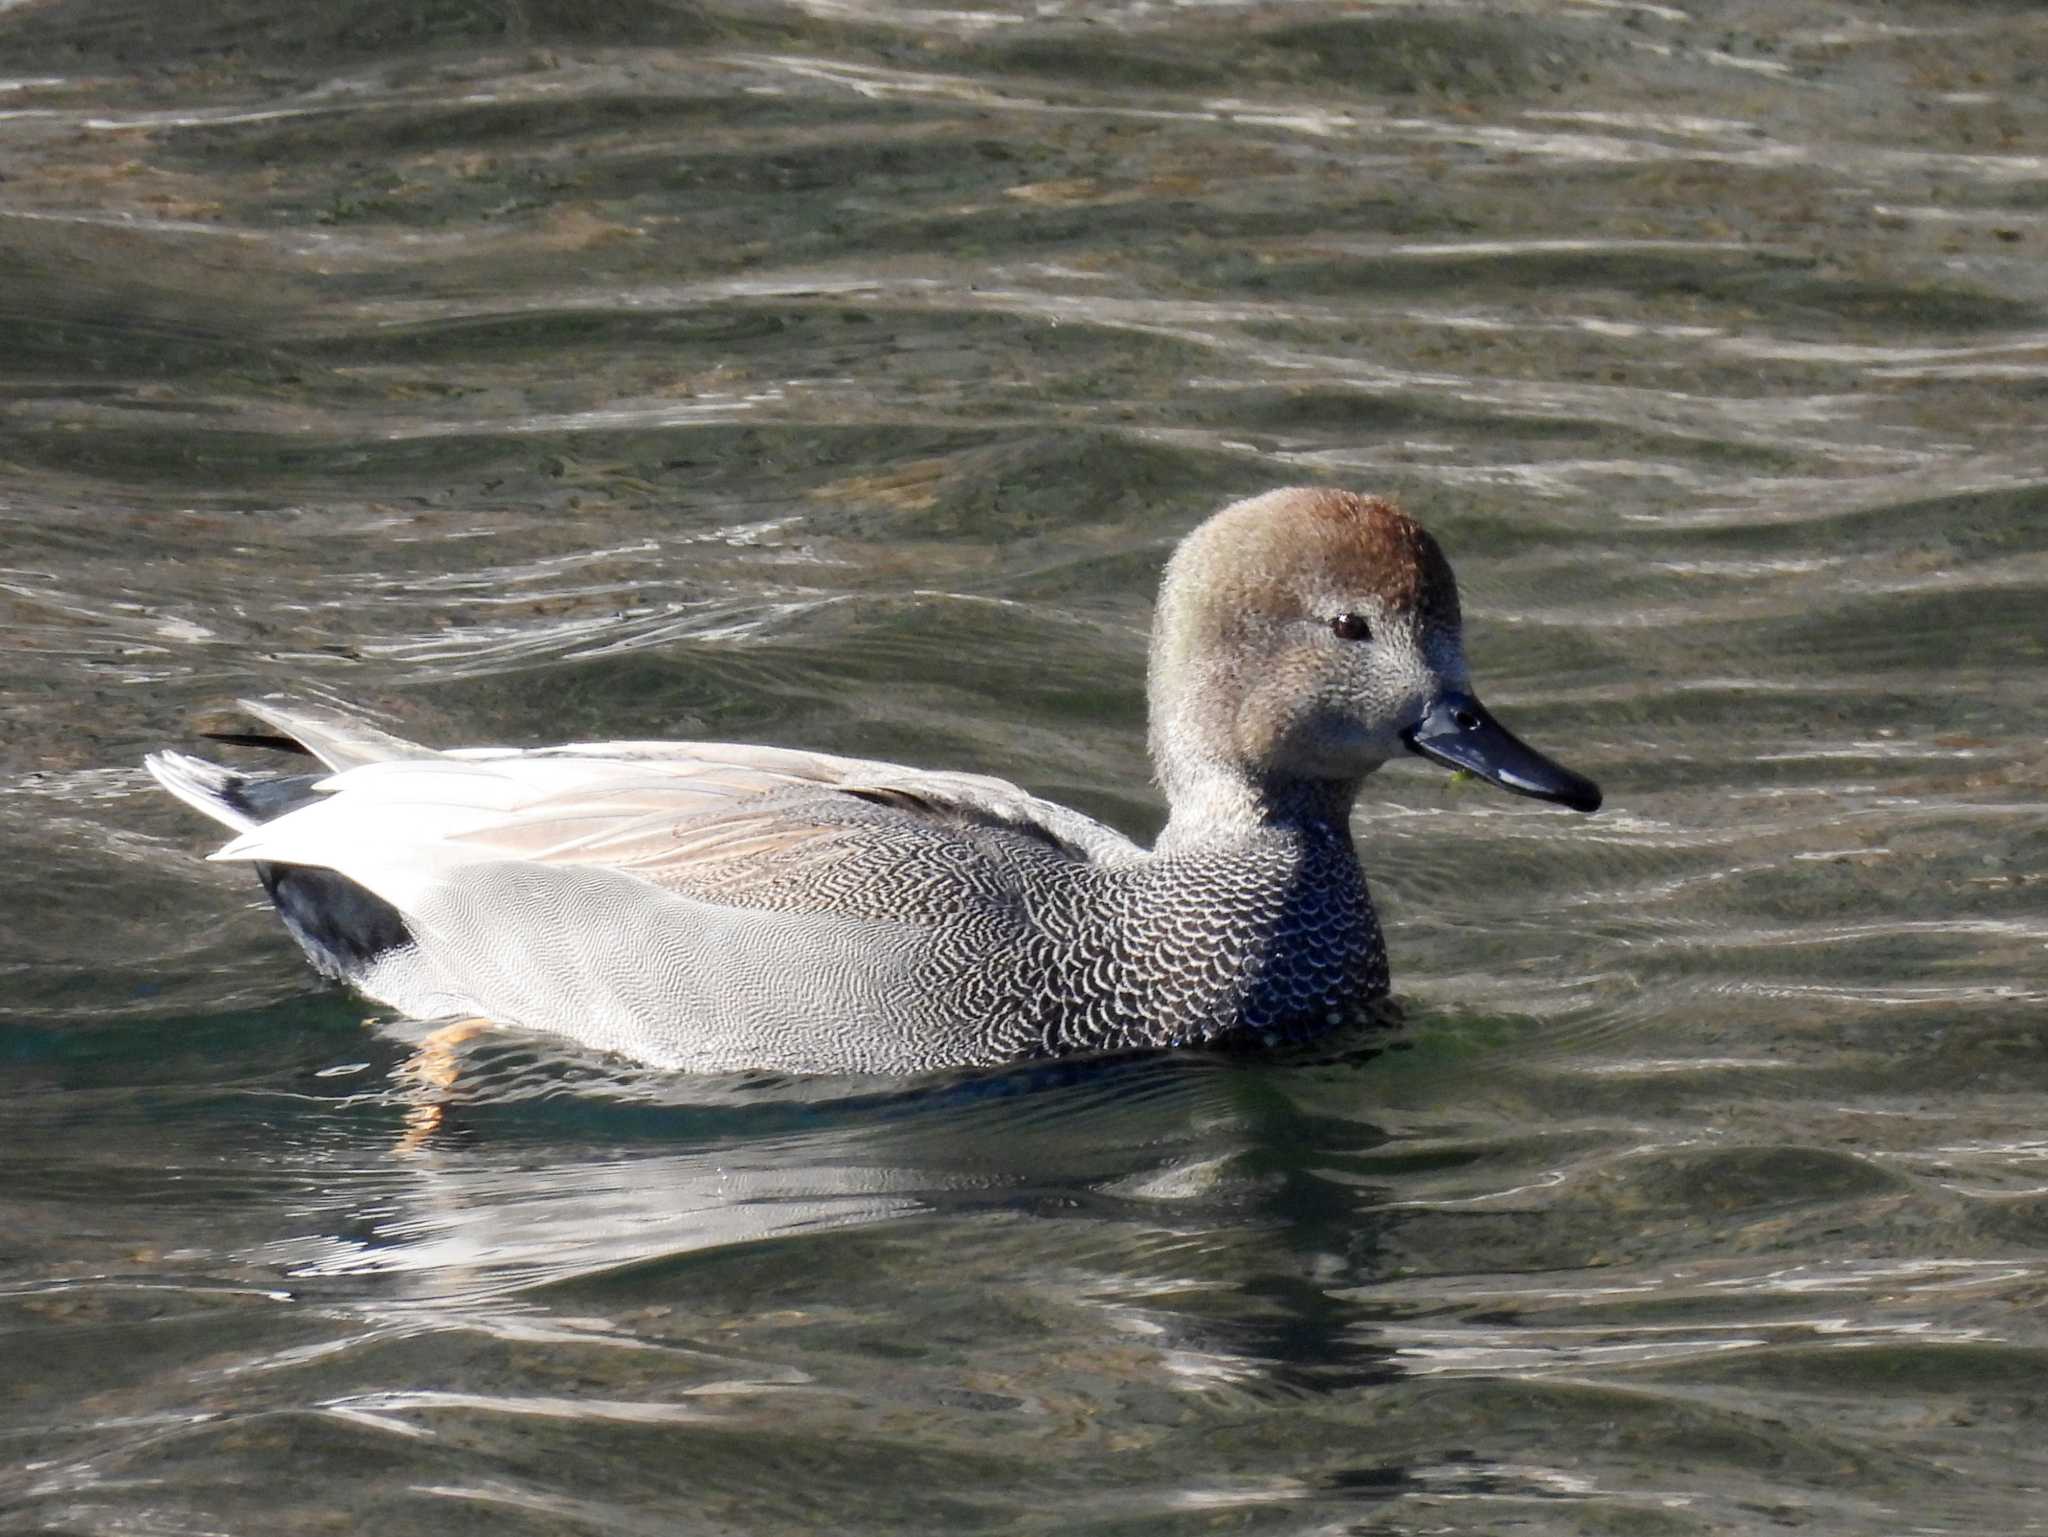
(542, 1198)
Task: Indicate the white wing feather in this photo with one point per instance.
(402, 820)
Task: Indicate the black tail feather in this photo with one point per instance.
(343, 927)
(265, 739)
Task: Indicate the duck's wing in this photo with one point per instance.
(700, 777)
(749, 779)
(719, 820)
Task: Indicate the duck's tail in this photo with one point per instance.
(344, 929)
(242, 801)
(232, 798)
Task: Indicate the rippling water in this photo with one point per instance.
(838, 375)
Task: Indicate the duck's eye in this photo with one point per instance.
(1350, 627)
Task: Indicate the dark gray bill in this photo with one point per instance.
(1460, 732)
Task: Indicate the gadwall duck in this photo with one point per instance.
(708, 906)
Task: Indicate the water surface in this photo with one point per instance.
(839, 376)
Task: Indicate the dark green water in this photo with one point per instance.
(839, 376)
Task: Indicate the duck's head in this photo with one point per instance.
(1306, 636)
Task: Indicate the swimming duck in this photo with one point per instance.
(710, 906)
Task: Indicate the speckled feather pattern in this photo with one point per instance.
(1035, 951)
(890, 943)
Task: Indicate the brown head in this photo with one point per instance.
(1304, 637)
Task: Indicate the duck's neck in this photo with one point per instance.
(1217, 808)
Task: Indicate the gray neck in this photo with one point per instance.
(1215, 807)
